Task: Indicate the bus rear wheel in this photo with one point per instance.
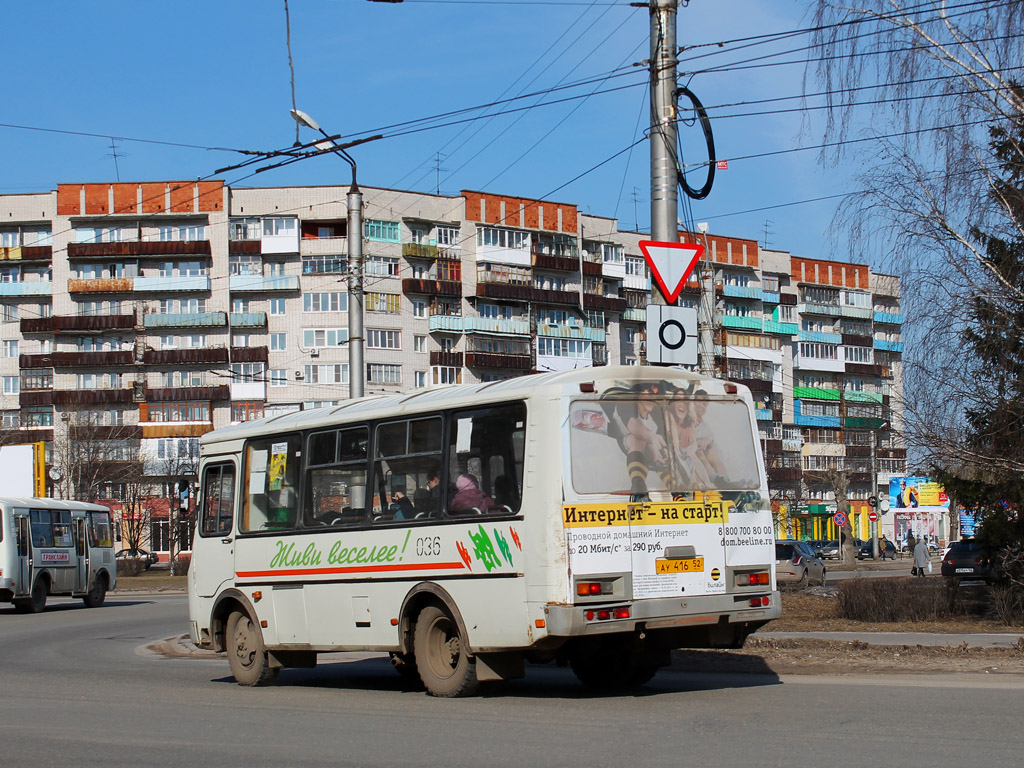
(97, 593)
(444, 663)
(612, 665)
(247, 656)
(36, 602)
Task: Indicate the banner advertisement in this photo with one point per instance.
(911, 492)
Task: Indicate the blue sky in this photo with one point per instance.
(215, 74)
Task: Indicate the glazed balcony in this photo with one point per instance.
(173, 284)
(262, 284)
(419, 250)
(144, 249)
(205, 356)
(80, 323)
(185, 320)
(248, 319)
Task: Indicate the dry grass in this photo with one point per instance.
(153, 580)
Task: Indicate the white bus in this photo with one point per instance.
(598, 517)
(52, 547)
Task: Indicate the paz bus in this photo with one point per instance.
(598, 517)
(52, 547)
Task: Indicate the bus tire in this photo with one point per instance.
(445, 665)
(36, 602)
(247, 656)
(97, 593)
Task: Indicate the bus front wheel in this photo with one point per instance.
(247, 655)
(442, 658)
(97, 593)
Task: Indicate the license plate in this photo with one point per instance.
(965, 570)
(687, 565)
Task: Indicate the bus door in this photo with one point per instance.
(24, 546)
(213, 550)
(81, 556)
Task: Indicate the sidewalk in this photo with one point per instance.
(932, 639)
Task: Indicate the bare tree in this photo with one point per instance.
(837, 483)
(91, 456)
(940, 77)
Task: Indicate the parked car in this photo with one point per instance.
(148, 559)
(866, 551)
(966, 560)
(796, 563)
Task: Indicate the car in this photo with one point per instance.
(966, 559)
(866, 551)
(148, 558)
(796, 563)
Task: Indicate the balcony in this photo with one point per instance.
(810, 308)
(890, 318)
(792, 444)
(81, 323)
(763, 414)
(862, 397)
(755, 385)
(105, 432)
(432, 287)
(784, 474)
(821, 336)
(770, 297)
(862, 422)
(741, 291)
(816, 393)
(419, 251)
(506, 362)
(635, 315)
(571, 332)
(861, 313)
(122, 358)
(888, 346)
(783, 329)
(495, 325)
(449, 323)
(91, 396)
(261, 284)
(556, 263)
(508, 291)
(148, 248)
(248, 319)
(186, 320)
(607, 303)
(26, 288)
(324, 246)
(188, 394)
(438, 357)
(172, 284)
(205, 356)
(742, 322)
(816, 421)
(244, 247)
(249, 354)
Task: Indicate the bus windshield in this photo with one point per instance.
(632, 444)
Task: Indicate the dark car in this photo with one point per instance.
(866, 551)
(147, 559)
(966, 560)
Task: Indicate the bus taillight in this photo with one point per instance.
(586, 588)
(753, 579)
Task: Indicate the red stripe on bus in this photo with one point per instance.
(354, 569)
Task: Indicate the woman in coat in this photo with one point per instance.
(469, 499)
(921, 556)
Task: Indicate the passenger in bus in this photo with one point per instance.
(426, 499)
(469, 499)
(401, 507)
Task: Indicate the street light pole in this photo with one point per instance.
(354, 238)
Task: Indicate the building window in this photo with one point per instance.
(819, 351)
(326, 374)
(324, 265)
(445, 374)
(37, 416)
(495, 312)
(381, 373)
(858, 354)
(182, 232)
(611, 253)
(278, 377)
(448, 269)
(244, 264)
(170, 412)
(503, 238)
(383, 231)
(278, 342)
(99, 381)
(447, 237)
(246, 411)
(787, 313)
(247, 372)
(12, 384)
(10, 348)
(277, 306)
(31, 378)
(389, 303)
(419, 344)
(574, 348)
(325, 302)
(383, 339)
(770, 283)
(244, 229)
(324, 337)
(278, 225)
(419, 379)
(168, 448)
(182, 378)
(419, 309)
(380, 266)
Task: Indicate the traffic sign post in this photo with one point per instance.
(671, 335)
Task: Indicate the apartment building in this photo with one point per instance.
(151, 313)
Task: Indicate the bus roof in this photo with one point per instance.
(430, 400)
(42, 503)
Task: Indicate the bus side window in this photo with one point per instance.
(486, 451)
(42, 528)
(218, 499)
(406, 468)
(336, 478)
(271, 484)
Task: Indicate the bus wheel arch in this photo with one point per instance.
(419, 597)
(228, 602)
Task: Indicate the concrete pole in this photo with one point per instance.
(664, 170)
(356, 369)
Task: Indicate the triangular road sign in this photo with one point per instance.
(671, 265)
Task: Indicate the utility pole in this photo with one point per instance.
(664, 165)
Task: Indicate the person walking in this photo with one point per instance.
(920, 558)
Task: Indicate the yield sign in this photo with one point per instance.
(671, 264)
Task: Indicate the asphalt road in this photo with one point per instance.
(79, 688)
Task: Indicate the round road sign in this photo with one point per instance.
(839, 518)
(872, 516)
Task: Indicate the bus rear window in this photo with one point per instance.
(634, 444)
